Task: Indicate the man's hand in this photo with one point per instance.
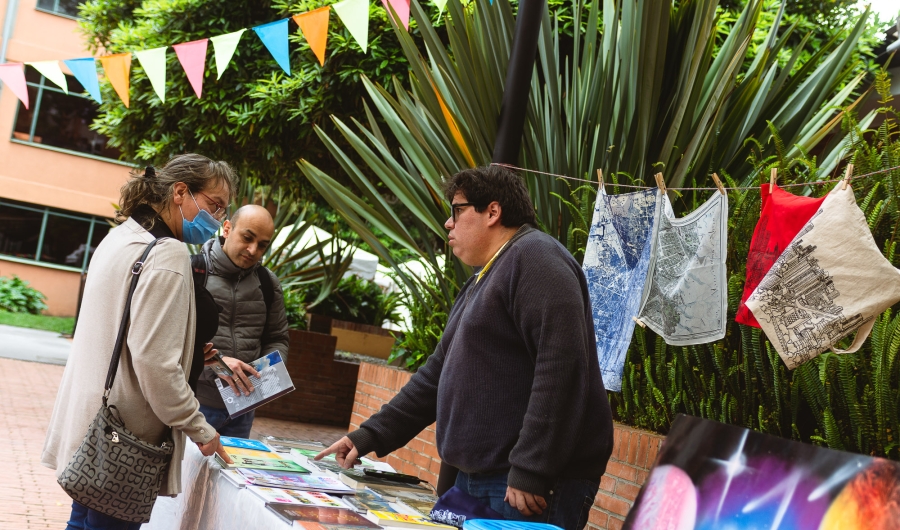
(239, 383)
(214, 446)
(208, 352)
(526, 503)
(344, 452)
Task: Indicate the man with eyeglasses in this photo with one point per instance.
(514, 384)
(252, 318)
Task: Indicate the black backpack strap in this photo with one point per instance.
(268, 291)
(199, 268)
(136, 270)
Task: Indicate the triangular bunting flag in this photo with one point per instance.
(275, 36)
(13, 74)
(441, 4)
(154, 64)
(118, 70)
(85, 71)
(355, 16)
(52, 71)
(401, 7)
(314, 26)
(224, 46)
(192, 56)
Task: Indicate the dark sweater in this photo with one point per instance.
(514, 383)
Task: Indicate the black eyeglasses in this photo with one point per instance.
(455, 208)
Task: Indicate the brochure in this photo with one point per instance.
(252, 462)
(300, 498)
(243, 443)
(272, 383)
(342, 517)
(294, 481)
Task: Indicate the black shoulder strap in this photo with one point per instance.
(199, 268)
(136, 270)
(268, 290)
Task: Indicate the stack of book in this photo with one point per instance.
(321, 495)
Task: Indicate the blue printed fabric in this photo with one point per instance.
(616, 261)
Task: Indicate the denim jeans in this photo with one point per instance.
(568, 506)
(84, 518)
(237, 428)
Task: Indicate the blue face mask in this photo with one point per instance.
(203, 227)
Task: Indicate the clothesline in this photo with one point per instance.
(816, 183)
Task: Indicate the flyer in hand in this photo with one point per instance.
(272, 383)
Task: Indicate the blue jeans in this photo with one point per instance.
(236, 428)
(84, 518)
(568, 506)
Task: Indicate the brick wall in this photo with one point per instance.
(634, 450)
(325, 387)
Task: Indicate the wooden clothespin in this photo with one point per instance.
(638, 322)
(660, 182)
(848, 176)
(719, 184)
(773, 176)
(600, 177)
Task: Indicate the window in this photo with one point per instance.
(60, 7)
(40, 234)
(60, 120)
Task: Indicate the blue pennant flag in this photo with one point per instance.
(85, 71)
(275, 36)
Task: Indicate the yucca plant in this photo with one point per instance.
(642, 91)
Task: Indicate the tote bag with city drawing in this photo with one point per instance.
(616, 260)
(685, 299)
(830, 281)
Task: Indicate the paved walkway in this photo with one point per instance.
(33, 345)
(30, 498)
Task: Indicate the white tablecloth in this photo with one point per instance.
(210, 502)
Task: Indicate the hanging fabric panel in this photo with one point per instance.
(686, 295)
(616, 260)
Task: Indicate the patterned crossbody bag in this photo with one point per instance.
(113, 471)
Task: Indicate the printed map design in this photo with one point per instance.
(616, 261)
(687, 297)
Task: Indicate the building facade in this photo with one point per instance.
(59, 180)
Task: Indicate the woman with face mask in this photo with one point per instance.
(183, 201)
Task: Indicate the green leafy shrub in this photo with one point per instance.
(427, 321)
(16, 296)
(354, 300)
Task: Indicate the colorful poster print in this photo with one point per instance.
(710, 475)
(616, 261)
(686, 297)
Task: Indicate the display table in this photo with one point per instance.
(210, 502)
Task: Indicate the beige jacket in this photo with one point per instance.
(150, 389)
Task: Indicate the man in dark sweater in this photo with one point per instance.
(514, 384)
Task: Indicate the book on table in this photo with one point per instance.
(366, 500)
(309, 516)
(272, 383)
(232, 476)
(252, 459)
(295, 481)
(403, 520)
(293, 443)
(243, 443)
(394, 495)
(298, 497)
(359, 480)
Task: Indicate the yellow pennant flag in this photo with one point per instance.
(314, 26)
(118, 71)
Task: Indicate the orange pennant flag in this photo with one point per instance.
(314, 26)
(118, 71)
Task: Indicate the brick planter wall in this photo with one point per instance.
(633, 453)
(325, 387)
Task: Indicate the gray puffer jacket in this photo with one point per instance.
(242, 321)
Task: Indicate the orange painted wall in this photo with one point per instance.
(42, 176)
(60, 287)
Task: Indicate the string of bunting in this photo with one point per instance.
(192, 55)
(846, 178)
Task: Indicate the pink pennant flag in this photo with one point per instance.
(192, 56)
(13, 74)
(402, 9)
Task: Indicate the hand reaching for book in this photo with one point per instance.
(344, 452)
(214, 446)
(240, 383)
